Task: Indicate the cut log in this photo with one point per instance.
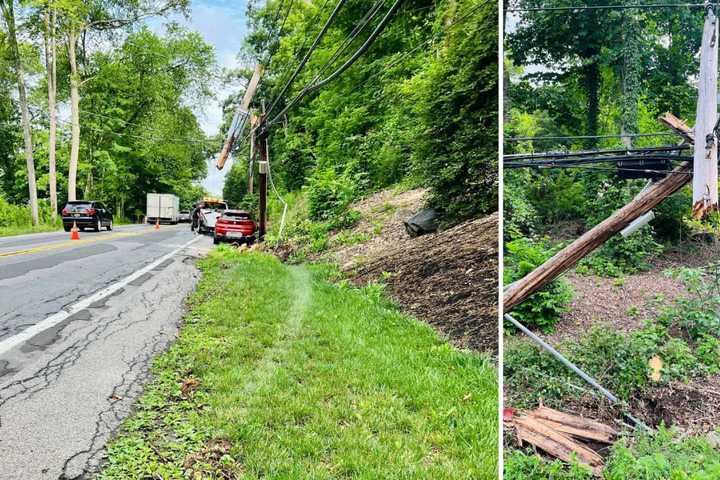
(574, 425)
(555, 443)
(600, 233)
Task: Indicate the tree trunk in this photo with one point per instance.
(630, 75)
(74, 115)
(592, 89)
(9, 14)
(50, 65)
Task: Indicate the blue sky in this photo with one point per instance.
(223, 25)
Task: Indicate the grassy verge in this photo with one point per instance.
(22, 230)
(279, 374)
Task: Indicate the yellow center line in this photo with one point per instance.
(73, 243)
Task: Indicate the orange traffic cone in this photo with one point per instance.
(75, 235)
(157, 224)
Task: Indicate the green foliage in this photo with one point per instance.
(661, 455)
(16, 219)
(696, 313)
(235, 188)
(519, 465)
(329, 193)
(618, 361)
(420, 106)
(542, 309)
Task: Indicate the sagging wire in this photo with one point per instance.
(277, 194)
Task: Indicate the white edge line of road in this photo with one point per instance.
(49, 322)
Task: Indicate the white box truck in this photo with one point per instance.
(164, 207)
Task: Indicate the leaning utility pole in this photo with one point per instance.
(705, 160)
(566, 258)
(241, 116)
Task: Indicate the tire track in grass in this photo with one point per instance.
(289, 329)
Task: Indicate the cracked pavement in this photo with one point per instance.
(65, 391)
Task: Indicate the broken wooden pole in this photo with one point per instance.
(705, 167)
(600, 233)
(241, 116)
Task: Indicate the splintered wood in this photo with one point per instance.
(560, 434)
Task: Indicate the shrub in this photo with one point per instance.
(542, 309)
(329, 193)
(663, 455)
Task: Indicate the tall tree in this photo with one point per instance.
(8, 11)
(83, 17)
(50, 17)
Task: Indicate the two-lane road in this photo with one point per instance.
(80, 322)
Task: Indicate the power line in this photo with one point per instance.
(607, 7)
(369, 15)
(583, 153)
(587, 137)
(592, 160)
(302, 63)
(348, 63)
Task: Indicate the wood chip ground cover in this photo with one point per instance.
(288, 376)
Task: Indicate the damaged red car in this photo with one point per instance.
(235, 226)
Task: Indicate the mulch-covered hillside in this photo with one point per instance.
(449, 279)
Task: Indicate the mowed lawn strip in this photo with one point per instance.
(279, 374)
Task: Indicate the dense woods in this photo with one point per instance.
(109, 101)
(419, 107)
(603, 76)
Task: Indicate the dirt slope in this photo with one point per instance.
(448, 279)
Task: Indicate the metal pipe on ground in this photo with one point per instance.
(559, 356)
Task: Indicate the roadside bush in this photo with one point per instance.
(696, 314)
(20, 216)
(541, 310)
(661, 455)
(329, 193)
(520, 216)
(618, 361)
(530, 374)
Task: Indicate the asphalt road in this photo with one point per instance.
(80, 322)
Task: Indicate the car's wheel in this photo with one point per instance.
(109, 225)
(98, 225)
(216, 240)
(67, 228)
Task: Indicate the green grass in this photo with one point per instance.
(23, 229)
(299, 378)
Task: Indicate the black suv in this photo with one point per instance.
(86, 214)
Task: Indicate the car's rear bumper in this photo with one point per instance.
(80, 221)
(233, 235)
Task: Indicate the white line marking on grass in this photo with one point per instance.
(12, 342)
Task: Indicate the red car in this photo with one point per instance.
(235, 226)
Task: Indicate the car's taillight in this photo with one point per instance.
(65, 212)
(222, 221)
(90, 211)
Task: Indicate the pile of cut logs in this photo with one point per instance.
(561, 435)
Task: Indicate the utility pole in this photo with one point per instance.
(241, 116)
(566, 258)
(262, 177)
(251, 163)
(705, 159)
